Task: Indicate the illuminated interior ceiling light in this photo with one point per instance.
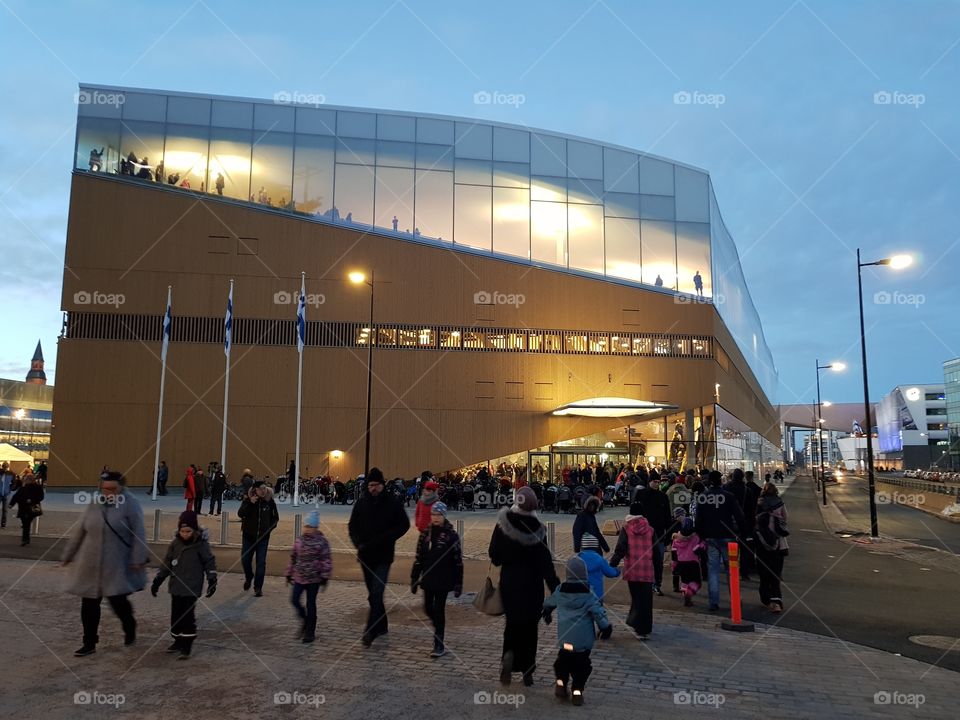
(611, 407)
(913, 394)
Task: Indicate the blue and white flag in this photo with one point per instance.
(302, 315)
(167, 322)
(228, 324)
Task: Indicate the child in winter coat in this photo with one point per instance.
(578, 611)
(427, 498)
(309, 571)
(597, 565)
(438, 569)
(688, 548)
(679, 514)
(187, 562)
(635, 547)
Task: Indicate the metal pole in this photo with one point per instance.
(370, 338)
(823, 481)
(296, 462)
(460, 531)
(226, 384)
(297, 526)
(156, 525)
(163, 380)
(552, 537)
(813, 465)
(871, 483)
(224, 528)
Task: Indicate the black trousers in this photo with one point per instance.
(218, 499)
(770, 568)
(435, 604)
(198, 504)
(308, 615)
(748, 558)
(520, 638)
(183, 620)
(25, 523)
(576, 664)
(375, 578)
(90, 616)
(640, 617)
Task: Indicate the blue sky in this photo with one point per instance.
(808, 162)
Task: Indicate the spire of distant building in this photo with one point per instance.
(37, 376)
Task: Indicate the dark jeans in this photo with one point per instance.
(252, 547)
(25, 523)
(3, 504)
(717, 561)
(90, 616)
(435, 604)
(576, 664)
(658, 552)
(375, 578)
(218, 499)
(309, 615)
(161, 487)
(198, 504)
(183, 620)
(640, 617)
(770, 568)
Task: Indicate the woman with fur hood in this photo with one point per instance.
(635, 547)
(519, 547)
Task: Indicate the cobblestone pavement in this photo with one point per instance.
(246, 661)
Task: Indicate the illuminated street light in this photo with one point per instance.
(357, 278)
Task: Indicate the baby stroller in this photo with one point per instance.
(550, 498)
(484, 499)
(339, 493)
(467, 497)
(580, 495)
(610, 495)
(564, 499)
(451, 497)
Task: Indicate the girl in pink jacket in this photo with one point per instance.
(688, 546)
(635, 547)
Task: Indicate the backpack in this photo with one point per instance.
(770, 529)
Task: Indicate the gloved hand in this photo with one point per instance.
(211, 588)
(323, 585)
(155, 587)
(413, 588)
(606, 632)
(289, 580)
(547, 616)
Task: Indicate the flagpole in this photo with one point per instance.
(301, 333)
(164, 339)
(228, 346)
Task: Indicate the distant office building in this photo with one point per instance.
(951, 387)
(912, 427)
(26, 408)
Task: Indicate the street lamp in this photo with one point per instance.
(836, 367)
(897, 262)
(358, 278)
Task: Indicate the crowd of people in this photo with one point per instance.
(23, 491)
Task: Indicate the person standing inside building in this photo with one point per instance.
(698, 283)
(111, 554)
(220, 184)
(378, 520)
(27, 500)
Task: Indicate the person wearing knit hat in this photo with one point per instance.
(579, 613)
(635, 545)
(309, 571)
(586, 524)
(188, 561)
(427, 498)
(597, 565)
(525, 501)
(438, 569)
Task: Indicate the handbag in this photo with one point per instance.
(488, 599)
(36, 510)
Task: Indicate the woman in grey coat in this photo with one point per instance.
(111, 554)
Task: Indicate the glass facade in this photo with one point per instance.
(951, 386)
(528, 196)
(740, 447)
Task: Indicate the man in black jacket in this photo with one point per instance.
(218, 483)
(656, 509)
(378, 520)
(751, 496)
(258, 517)
(717, 519)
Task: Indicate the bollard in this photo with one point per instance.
(297, 526)
(224, 528)
(736, 623)
(156, 525)
(460, 531)
(552, 537)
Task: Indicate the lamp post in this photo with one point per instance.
(837, 367)
(356, 278)
(897, 262)
(813, 465)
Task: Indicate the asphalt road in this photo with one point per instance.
(833, 587)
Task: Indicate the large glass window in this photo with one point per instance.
(434, 157)
(511, 221)
(474, 141)
(395, 154)
(188, 110)
(394, 199)
(584, 160)
(141, 147)
(692, 199)
(473, 172)
(548, 155)
(620, 171)
(98, 144)
(356, 124)
(693, 258)
(272, 169)
(229, 114)
(548, 232)
(434, 204)
(144, 106)
(658, 252)
(472, 216)
(431, 130)
(511, 145)
(396, 127)
(356, 151)
(552, 189)
(508, 174)
(316, 121)
(185, 156)
(313, 174)
(656, 176)
(622, 241)
(585, 191)
(230, 157)
(657, 207)
(585, 228)
(353, 195)
(621, 205)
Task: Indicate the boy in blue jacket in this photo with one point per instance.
(578, 611)
(597, 565)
